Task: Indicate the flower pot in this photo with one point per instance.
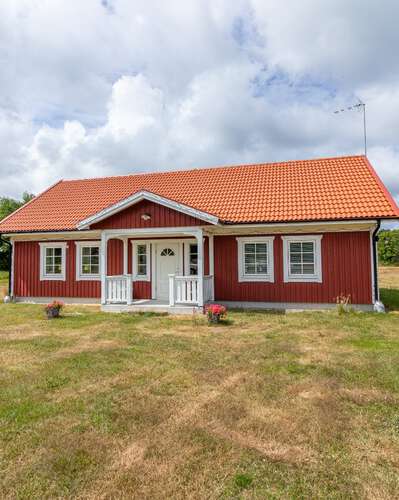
(214, 318)
(53, 312)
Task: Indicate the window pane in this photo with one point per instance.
(86, 269)
(57, 251)
(295, 248)
(296, 269)
(308, 257)
(95, 260)
(260, 248)
(261, 268)
(141, 249)
(250, 269)
(142, 259)
(249, 258)
(308, 269)
(86, 251)
(249, 248)
(193, 270)
(261, 258)
(95, 251)
(85, 261)
(57, 269)
(307, 246)
(295, 257)
(95, 269)
(141, 270)
(49, 268)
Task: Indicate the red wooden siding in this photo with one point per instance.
(160, 217)
(346, 268)
(27, 275)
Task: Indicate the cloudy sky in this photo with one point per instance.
(100, 87)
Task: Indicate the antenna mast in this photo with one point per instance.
(360, 106)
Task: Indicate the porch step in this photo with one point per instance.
(148, 307)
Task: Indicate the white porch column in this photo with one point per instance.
(103, 266)
(200, 245)
(212, 264)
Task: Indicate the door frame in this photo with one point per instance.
(154, 261)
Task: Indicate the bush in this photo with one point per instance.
(388, 247)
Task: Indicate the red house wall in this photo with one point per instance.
(346, 268)
(27, 275)
(160, 217)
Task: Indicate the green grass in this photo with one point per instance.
(301, 405)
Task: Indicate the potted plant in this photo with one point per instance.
(215, 313)
(53, 309)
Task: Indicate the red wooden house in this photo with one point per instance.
(294, 234)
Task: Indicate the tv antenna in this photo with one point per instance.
(360, 106)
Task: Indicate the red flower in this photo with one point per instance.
(216, 309)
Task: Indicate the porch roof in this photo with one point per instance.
(343, 188)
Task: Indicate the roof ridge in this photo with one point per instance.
(218, 167)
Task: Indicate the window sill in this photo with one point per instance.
(303, 279)
(52, 278)
(88, 278)
(256, 279)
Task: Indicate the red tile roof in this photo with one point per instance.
(309, 190)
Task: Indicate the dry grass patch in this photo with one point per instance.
(151, 406)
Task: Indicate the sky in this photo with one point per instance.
(109, 87)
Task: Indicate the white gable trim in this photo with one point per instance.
(146, 195)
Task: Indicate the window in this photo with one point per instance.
(255, 259)
(87, 260)
(52, 261)
(191, 259)
(166, 252)
(302, 258)
(141, 262)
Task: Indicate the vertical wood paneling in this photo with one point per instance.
(160, 217)
(27, 275)
(346, 268)
(114, 257)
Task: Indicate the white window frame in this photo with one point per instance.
(141, 277)
(187, 244)
(52, 277)
(79, 275)
(267, 277)
(302, 278)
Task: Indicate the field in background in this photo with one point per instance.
(3, 283)
(302, 405)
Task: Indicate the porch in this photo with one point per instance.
(168, 263)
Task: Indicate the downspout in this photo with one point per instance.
(375, 262)
(2, 240)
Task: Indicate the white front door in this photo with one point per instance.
(167, 258)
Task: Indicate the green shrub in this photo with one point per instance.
(388, 247)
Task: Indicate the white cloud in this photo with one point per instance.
(94, 90)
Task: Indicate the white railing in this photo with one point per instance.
(208, 289)
(186, 290)
(118, 289)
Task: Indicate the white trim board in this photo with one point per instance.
(317, 277)
(146, 195)
(52, 277)
(267, 277)
(78, 264)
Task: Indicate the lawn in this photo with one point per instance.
(302, 405)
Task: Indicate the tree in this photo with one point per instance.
(388, 247)
(7, 207)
